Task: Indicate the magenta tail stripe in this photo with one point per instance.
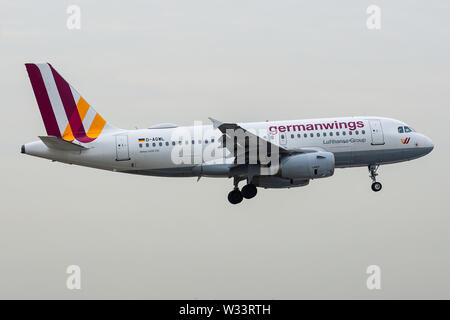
(43, 101)
(69, 105)
(85, 139)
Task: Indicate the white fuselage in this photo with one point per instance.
(180, 151)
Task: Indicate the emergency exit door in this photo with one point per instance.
(122, 150)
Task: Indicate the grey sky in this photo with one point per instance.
(144, 62)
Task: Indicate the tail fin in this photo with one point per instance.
(65, 113)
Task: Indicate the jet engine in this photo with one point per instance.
(307, 166)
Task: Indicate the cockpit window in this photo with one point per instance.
(408, 129)
(400, 129)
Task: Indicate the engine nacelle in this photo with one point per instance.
(308, 165)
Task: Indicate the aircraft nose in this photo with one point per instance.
(428, 144)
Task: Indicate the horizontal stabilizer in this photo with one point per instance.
(60, 144)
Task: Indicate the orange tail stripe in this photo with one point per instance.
(96, 127)
(68, 135)
(82, 107)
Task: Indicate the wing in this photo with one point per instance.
(247, 146)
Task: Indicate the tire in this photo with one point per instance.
(249, 191)
(376, 186)
(235, 196)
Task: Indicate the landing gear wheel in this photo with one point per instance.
(376, 186)
(235, 196)
(249, 191)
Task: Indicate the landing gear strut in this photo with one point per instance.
(248, 191)
(376, 186)
(235, 195)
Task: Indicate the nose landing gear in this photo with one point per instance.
(376, 186)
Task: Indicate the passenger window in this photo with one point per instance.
(299, 135)
(312, 135)
(282, 136)
(350, 133)
(363, 131)
(331, 134)
(173, 143)
(147, 145)
(206, 141)
(140, 145)
(356, 132)
(154, 144)
(337, 133)
(400, 129)
(167, 143)
(407, 129)
(193, 141)
(305, 135)
(212, 140)
(343, 133)
(292, 136)
(324, 134)
(318, 134)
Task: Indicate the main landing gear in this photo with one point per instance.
(376, 186)
(235, 196)
(248, 191)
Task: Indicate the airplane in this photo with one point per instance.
(268, 154)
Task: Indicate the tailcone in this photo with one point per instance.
(37, 149)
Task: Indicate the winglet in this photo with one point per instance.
(216, 123)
